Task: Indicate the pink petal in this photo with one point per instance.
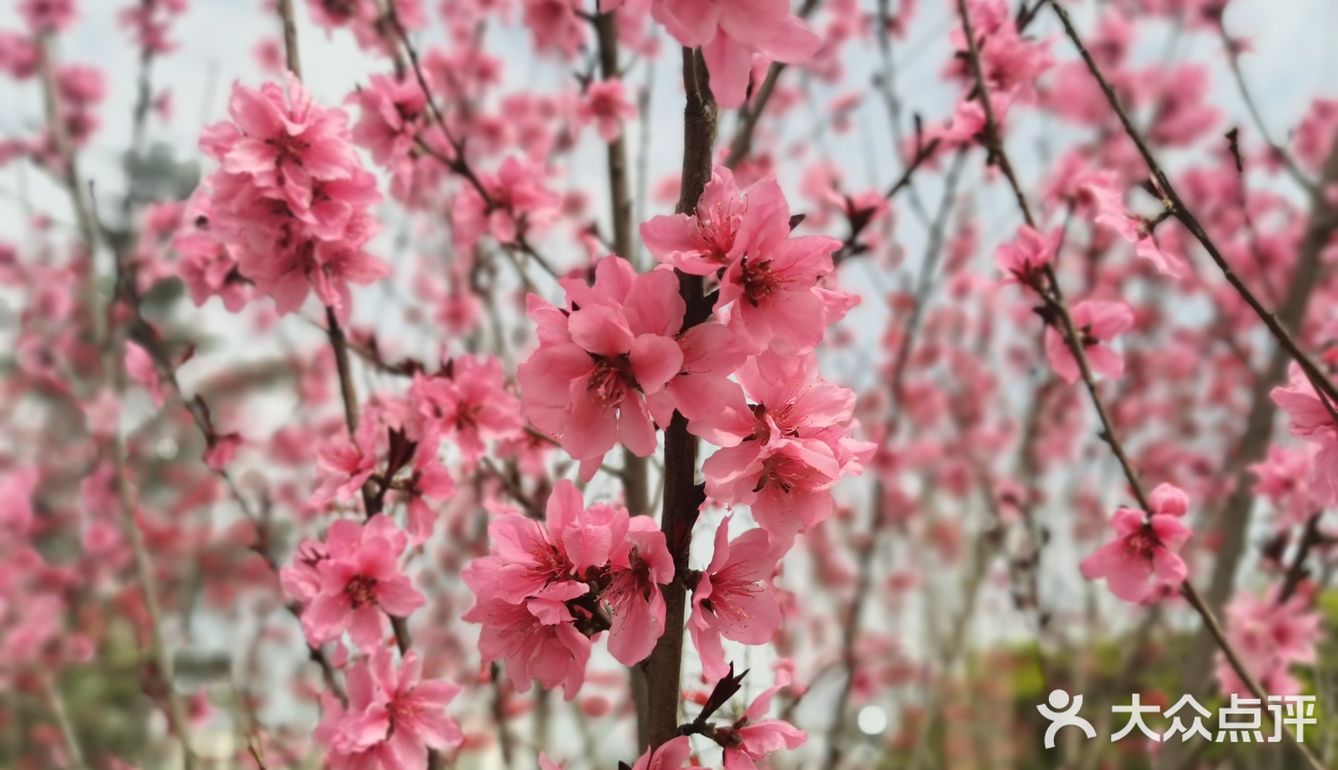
(655, 361)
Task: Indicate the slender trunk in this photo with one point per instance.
(682, 496)
(634, 477)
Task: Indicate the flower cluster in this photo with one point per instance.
(1010, 62)
(620, 358)
(392, 118)
(351, 582)
(394, 450)
(392, 719)
(613, 364)
(522, 468)
(367, 19)
(511, 203)
(290, 203)
(1096, 323)
(785, 442)
(770, 282)
(1271, 633)
(545, 588)
(605, 104)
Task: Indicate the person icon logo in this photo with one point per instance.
(1062, 711)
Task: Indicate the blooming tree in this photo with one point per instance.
(658, 383)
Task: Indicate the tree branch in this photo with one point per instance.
(1171, 199)
(682, 496)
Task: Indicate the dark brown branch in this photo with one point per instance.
(682, 496)
(1311, 536)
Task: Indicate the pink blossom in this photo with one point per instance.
(209, 269)
(730, 32)
(1178, 102)
(1096, 322)
(966, 126)
(753, 737)
(707, 242)
(1312, 420)
(640, 565)
(393, 716)
(18, 55)
(770, 292)
(359, 582)
(346, 463)
(524, 557)
(268, 56)
(588, 382)
(283, 141)
(1024, 259)
(47, 16)
(734, 597)
(540, 588)
(81, 88)
(471, 404)
(537, 640)
(782, 453)
(149, 22)
(17, 487)
(393, 112)
(710, 354)
(589, 537)
(1143, 559)
(290, 198)
(1317, 132)
(366, 19)
(1111, 214)
(673, 754)
(556, 24)
(1284, 477)
(605, 104)
(429, 479)
(81, 85)
(1011, 64)
(518, 203)
(1308, 415)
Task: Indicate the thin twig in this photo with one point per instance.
(1054, 299)
(112, 349)
(458, 164)
(1233, 59)
(56, 703)
(1171, 199)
